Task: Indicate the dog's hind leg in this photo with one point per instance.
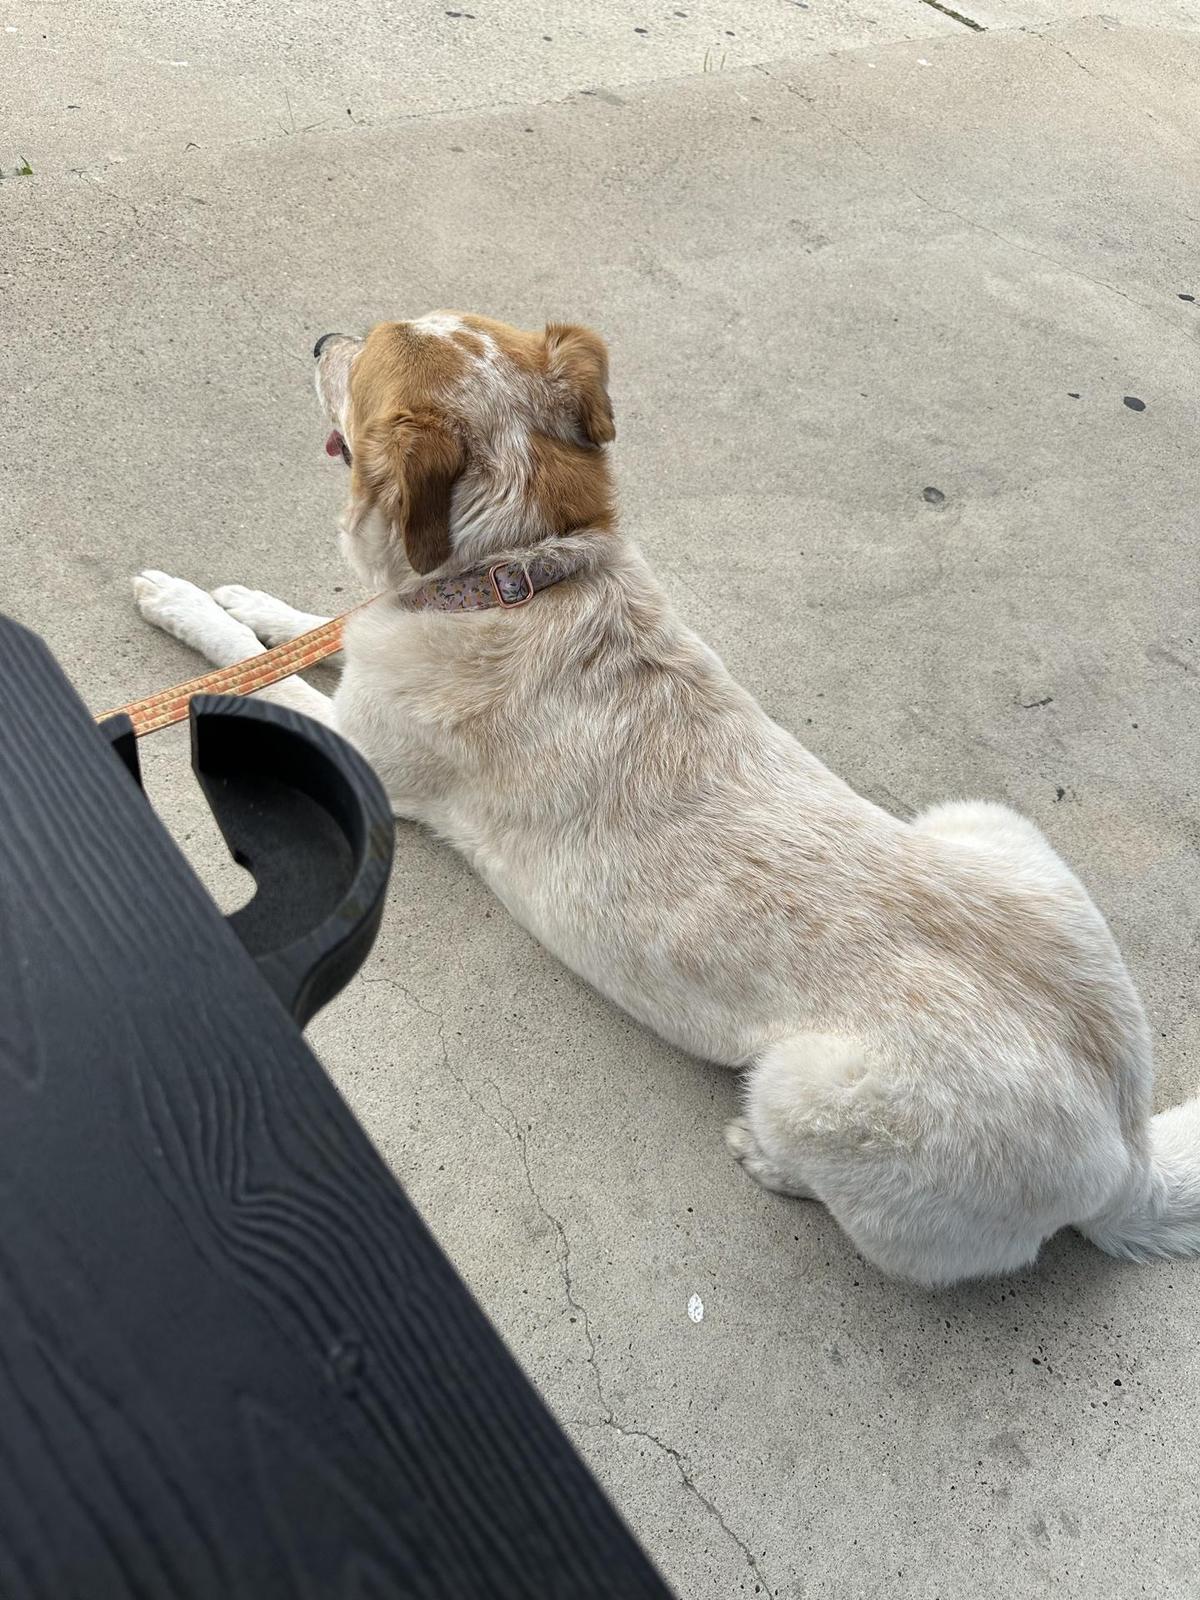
(273, 621)
(746, 1151)
(799, 1102)
(828, 1114)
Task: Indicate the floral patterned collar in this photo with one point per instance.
(506, 585)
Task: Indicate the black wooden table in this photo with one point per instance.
(233, 1362)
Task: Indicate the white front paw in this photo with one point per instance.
(237, 599)
(265, 616)
(166, 601)
(190, 615)
(274, 621)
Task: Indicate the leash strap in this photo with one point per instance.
(507, 584)
(244, 677)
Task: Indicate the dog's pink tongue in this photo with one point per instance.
(333, 445)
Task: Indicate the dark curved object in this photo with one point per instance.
(234, 1364)
(304, 814)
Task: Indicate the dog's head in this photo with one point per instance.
(463, 437)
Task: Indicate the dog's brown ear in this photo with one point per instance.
(406, 465)
(578, 359)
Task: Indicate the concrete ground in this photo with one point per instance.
(905, 368)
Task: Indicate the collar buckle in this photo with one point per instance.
(511, 567)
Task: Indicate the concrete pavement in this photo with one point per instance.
(878, 302)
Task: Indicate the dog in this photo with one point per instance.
(940, 1041)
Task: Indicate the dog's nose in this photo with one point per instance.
(322, 342)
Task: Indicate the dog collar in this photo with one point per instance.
(507, 585)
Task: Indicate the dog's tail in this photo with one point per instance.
(1162, 1217)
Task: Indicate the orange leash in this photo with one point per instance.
(244, 677)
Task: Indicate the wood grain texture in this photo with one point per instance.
(233, 1362)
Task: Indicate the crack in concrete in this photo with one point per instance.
(437, 1017)
(518, 1137)
(608, 1418)
(684, 1468)
(1062, 50)
(971, 222)
(955, 16)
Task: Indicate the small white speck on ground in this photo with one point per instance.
(696, 1308)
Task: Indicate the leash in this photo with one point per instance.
(244, 677)
(506, 584)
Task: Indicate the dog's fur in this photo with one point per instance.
(941, 1041)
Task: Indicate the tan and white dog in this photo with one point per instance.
(941, 1041)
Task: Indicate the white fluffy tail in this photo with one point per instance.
(1164, 1219)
